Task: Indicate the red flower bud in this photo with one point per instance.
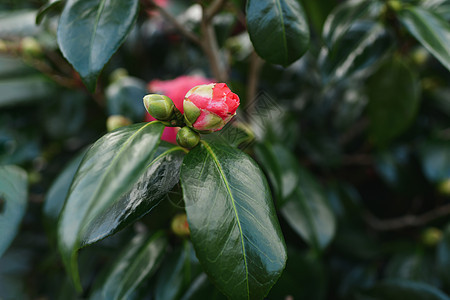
(207, 108)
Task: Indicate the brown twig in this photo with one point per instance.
(256, 64)
(408, 220)
(186, 32)
(213, 9)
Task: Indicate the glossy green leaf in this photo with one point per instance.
(282, 168)
(307, 211)
(13, 203)
(91, 31)
(96, 204)
(403, 289)
(363, 45)
(343, 17)
(124, 97)
(394, 97)
(278, 30)
(177, 272)
(137, 262)
(24, 90)
(431, 30)
(234, 228)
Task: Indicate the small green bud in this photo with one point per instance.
(187, 138)
(30, 47)
(431, 236)
(180, 225)
(159, 106)
(116, 121)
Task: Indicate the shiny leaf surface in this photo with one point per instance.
(90, 32)
(136, 263)
(13, 203)
(394, 97)
(278, 30)
(234, 228)
(109, 170)
(307, 211)
(431, 30)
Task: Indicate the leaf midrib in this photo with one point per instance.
(222, 175)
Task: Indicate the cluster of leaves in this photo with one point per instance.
(351, 127)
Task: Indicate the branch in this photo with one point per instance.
(213, 9)
(211, 49)
(406, 221)
(186, 32)
(256, 64)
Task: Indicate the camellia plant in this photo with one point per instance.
(212, 149)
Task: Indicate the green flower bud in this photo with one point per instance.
(159, 106)
(118, 74)
(187, 138)
(30, 47)
(116, 121)
(431, 236)
(180, 225)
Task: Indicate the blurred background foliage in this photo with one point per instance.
(354, 137)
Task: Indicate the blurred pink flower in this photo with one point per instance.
(175, 89)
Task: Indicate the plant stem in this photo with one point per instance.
(408, 220)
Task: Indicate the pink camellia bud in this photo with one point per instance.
(208, 107)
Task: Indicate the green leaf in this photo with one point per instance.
(91, 31)
(363, 45)
(109, 170)
(394, 97)
(202, 288)
(307, 211)
(281, 167)
(278, 30)
(13, 203)
(56, 196)
(234, 228)
(52, 5)
(431, 30)
(137, 262)
(403, 289)
(317, 12)
(177, 272)
(25, 90)
(345, 15)
(124, 97)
